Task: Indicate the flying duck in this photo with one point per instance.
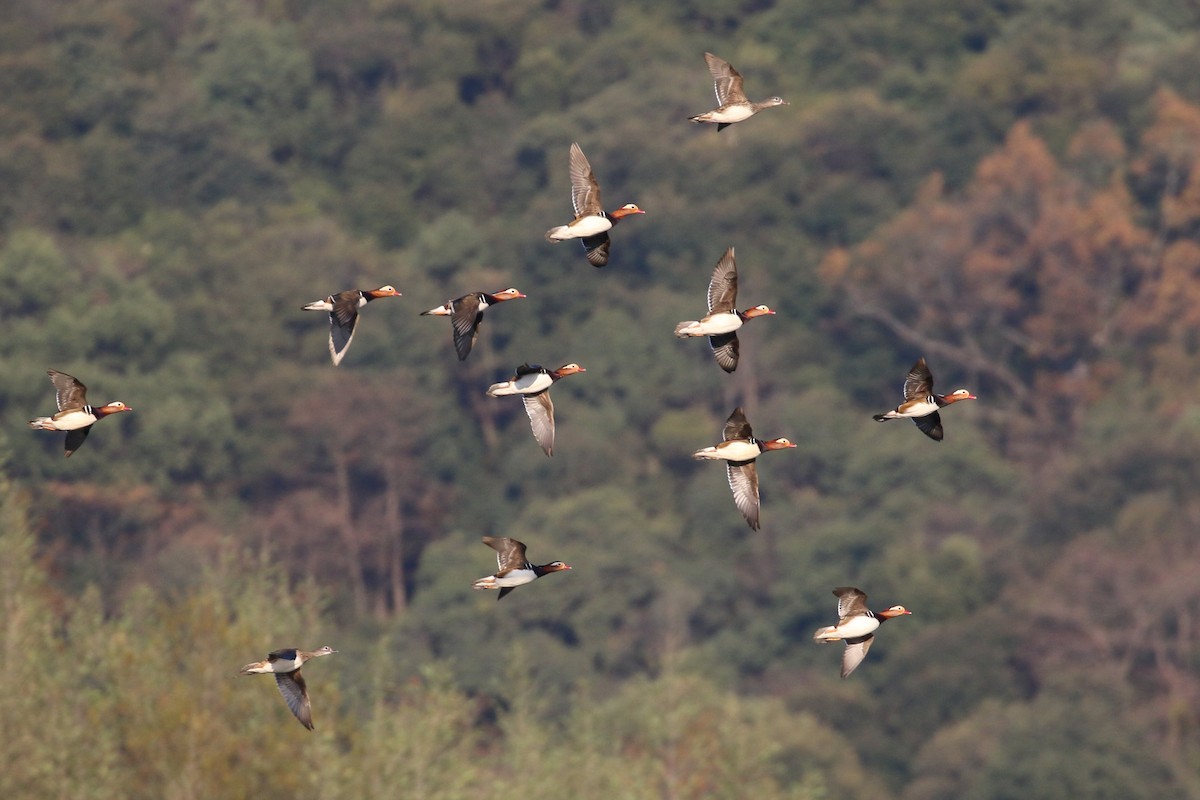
(74, 415)
(513, 568)
(343, 315)
(592, 223)
(533, 383)
(921, 404)
(285, 664)
(466, 313)
(723, 320)
(732, 103)
(738, 451)
(856, 626)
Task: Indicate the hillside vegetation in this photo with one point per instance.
(1010, 188)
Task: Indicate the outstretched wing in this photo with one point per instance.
(585, 191)
(540, 409)
(851, 601)
(510, 554)
(930, 425)
(341, 333)
(596, 248)
(736, 427)
(743, 480)
(75, 440)
(727, 81)
(465, 323)
(722, 286)
(918, 384)
(295, 694)
(725, 349)
(68, 391)
(856, 651)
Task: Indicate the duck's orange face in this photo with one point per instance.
(757, 311)
(115, 407)
(557, 566)
(384, 291)
(959, 394)
(779, 444)
(626, 210)
(509, 294)
(894, 611)
(569, 369)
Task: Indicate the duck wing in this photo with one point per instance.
(510, 554)
(68, 391)
(75, 440)
(596, 248)
(851, 602)
(743, 480)
(585, 190)
(725, 349)
(295, 694)
(468, 313)
(727, 81)
(930, 425)
(918, 384)
(540, 410)
(722, 286)
(736, 427)
(856, 651)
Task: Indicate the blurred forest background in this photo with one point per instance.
(1010, 188)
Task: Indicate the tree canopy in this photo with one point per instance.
(1010, 188)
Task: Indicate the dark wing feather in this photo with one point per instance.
(465, 322)
(743, 480)
(596, 248)
(918, 384)
(341, 333)
(851, 602)
(736, 427)
(509, 552)
(727, 82)
(295, 694)
(530, 369)
(585, 191)
(503, 591)
(725, 350)
(540, 409)
(856, 651)
(345, 306)
(75, 439)
(722, 286)
(930, 425)
(68, 391)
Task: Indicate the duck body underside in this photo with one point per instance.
(580, 229)
(71, 420)
(921, 408)
(725, 115)
(525, 384)
(849, 629)
(516, 577)
(712, 325)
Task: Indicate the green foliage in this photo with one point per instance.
(1006, 187)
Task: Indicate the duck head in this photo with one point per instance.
(625, 211)
(115, 407)
(756, 311)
